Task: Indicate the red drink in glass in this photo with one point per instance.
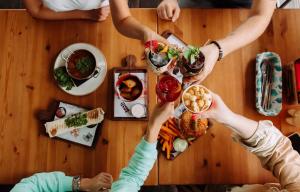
(168, 89)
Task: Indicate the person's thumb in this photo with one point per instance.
(176, 14)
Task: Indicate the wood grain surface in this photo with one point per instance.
(28, 49)
(215, 158)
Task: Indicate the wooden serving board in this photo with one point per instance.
(121, 108)
(91, 133)
(173, 153)
(173, 39)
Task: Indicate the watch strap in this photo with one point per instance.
(76, 183)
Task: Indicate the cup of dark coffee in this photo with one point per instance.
(81, 64)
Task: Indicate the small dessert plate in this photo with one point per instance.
(94, 82)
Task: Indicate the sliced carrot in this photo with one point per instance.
(166, 129)
(172, 127)
(164, 136)
(168, 148)
(172, 122)
(168, 133)
(165, 145)
(174, 130)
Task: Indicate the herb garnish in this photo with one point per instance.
(84, 65)
(76, 120)
(173, 53)
(63, 78)
(192, 53)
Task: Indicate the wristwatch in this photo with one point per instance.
(76, 183)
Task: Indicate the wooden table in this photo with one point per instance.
(29, 47)
(215, 158)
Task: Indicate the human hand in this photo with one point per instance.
(100, 182)
(160, 114)
(211, 54)
(98, 14)
(150, 35)
(217, 111)
(168, 10)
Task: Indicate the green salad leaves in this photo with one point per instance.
(191, 53)
(84, 65)
(63, 78)
(76, 120)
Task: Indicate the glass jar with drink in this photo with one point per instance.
(192, 61)
(168, 89)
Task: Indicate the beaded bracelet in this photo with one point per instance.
(220, 49)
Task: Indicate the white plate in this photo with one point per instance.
(94, 82)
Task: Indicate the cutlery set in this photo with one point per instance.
(266, 86)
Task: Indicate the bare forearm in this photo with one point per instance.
(241, 125)
(252, 28)
(130, 27)
(152, 132)
(243, 35)
(125, 23)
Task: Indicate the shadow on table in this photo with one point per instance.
(250, 84)
(11, 4)
(17, 4)
(6, 188)
(187, 188)
(164, 188)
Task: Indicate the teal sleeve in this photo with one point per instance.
(132, 177)
(40, 182)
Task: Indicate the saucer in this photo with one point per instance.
(91, 84)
